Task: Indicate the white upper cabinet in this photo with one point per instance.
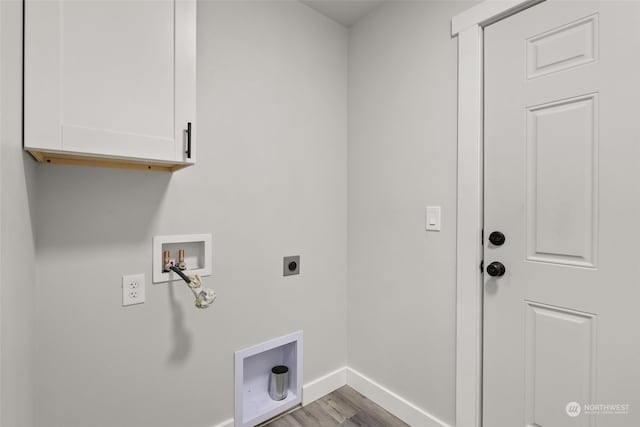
(111, 82)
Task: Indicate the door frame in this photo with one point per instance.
(468, 26)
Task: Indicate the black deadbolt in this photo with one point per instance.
(292, 266)
(497, 238)
(496, 269)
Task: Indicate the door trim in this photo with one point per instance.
(468, 26)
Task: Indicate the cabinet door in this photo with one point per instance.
(110, 78)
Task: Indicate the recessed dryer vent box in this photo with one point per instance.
(252, 369)
(197, 255)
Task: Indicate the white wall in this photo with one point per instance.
(402, 157)
(270, 181)
(17, 254)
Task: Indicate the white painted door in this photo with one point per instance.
(562, 182)
(110, 78)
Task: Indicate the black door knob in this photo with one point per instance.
(497, 238)
(496, 269)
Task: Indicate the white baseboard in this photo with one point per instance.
(323, 385)
(228, 423)
(398, 406)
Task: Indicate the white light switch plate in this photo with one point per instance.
(133, 289)
(432, 218)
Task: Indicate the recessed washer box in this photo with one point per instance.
(252, 369)
(197, 255)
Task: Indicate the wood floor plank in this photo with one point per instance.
(321, 417)
(368, 407)
(364, 419)
(312, 416)
(286, 421)
(350, 423)
(338, 415)
(344, 407)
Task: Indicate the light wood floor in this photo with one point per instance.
(343, 407)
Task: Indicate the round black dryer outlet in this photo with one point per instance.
(291, 265)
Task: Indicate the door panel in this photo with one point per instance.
(562, 197)
(561, 174)
(118, 74)
(564, 47)
(557, 340)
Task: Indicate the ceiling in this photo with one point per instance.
(345, 12)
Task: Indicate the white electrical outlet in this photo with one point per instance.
(132, 289)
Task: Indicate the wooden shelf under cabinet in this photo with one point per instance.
(111, 162)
